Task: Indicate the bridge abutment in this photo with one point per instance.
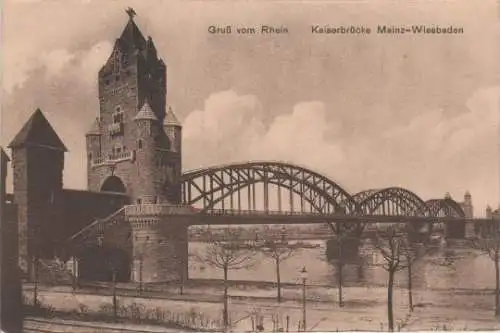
(160, 243)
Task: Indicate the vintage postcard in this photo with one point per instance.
(250, 166)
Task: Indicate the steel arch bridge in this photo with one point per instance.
(293, 189)
(283, 193)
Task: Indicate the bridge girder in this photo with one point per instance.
(323, 195)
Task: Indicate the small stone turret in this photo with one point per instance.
(173, 129)
(467, 205)
(489, 212)
(147, 132)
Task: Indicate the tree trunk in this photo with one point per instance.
(225, 314)
(278, 278)
(390, 315)
(35, 287)
(115, 303)
(410, 289)
(497, 283)
(340, 266)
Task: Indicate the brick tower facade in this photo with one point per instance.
(128, 148)
(38, 162)
(134, 146)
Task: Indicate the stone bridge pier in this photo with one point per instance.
(346, 242)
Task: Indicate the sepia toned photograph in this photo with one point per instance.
(249, 166)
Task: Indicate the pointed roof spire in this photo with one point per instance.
(131, 35)
(95, 129)
(37, 131)
(170, 119)
(146, 113)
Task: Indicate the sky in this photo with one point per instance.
(419, 112)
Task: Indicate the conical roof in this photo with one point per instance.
(95, 129)
(146, 113)
(170, 119)
(37, 131)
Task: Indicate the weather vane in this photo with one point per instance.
(131, 12)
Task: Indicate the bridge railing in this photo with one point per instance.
(159, 209)
(97, 226)
(238, 212)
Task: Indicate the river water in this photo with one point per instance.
(446, 268)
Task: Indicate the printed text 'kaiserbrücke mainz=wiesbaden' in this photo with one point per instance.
(326, 29)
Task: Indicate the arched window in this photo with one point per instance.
(118, 115)
(139, 144)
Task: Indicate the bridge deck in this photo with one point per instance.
(224, 218)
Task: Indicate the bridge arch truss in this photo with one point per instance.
(223, 187)
(233, 187)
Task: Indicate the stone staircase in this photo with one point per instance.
(54, 272)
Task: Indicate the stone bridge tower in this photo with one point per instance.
(133, 146)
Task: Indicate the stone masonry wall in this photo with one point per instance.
(162, 245)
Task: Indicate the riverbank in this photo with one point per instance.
(364, 308)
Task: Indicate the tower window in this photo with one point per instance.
(139, 144)
(118, 115)
(124, 60)
(117, 78)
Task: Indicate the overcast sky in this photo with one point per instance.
(372, 111)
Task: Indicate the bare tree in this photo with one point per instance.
(227, 252)
(392, 244)
(490, 245)
(413, 252)
(279, 251)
